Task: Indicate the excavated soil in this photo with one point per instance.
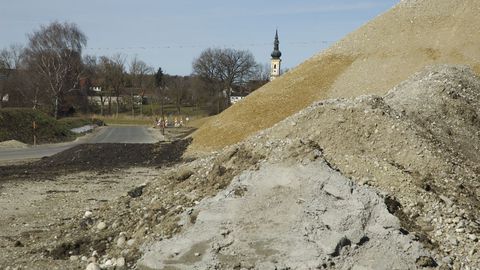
(98, 157)
(417, 147)
(44, 225)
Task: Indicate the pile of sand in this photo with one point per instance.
(12, 144)
(370, 60)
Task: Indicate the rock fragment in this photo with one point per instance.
(93, 266)
(101, 225)
(426, 261)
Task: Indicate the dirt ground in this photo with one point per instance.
(36, 211)
(43, 202)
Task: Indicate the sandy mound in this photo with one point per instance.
(12, 144)
(371, 60)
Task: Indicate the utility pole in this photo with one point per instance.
(34, 125)
(160, 83)
(163, 114)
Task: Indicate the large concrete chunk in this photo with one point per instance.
(290, 215)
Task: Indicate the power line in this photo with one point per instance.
(187, 46)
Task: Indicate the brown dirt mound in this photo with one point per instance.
(370, 60)
(95, 157)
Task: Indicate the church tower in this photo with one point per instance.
(276, 61)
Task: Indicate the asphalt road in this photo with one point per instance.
(110, 134)
(124, 134)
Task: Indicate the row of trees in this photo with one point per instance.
(224, 70)
(51, 74)
(47, 68)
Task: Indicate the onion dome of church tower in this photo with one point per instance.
(276, 54)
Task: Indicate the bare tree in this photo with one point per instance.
(11, 57)
(92, 74)
(113, 78)
(224, 68)
(54, 53)
(262, 72)
(140, 71)
(10, 60)
(177, 87)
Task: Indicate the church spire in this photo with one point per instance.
(276, 54)
(275, 70)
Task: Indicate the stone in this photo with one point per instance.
(136, 192)
(121, 241)
(74, 258)
(18, 244)
(130, 242)
(120, 262)
(87, 214)
(183, 175)
(447, 260)
(425, 261)
(454, 241)
(93, 266)
(473, 237)
(101, 225)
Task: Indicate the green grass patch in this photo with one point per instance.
(74, 122)
(17, 124)
(124, 119)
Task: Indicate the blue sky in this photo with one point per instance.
(170, 34)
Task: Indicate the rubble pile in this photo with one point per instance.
(416, 147)
(331, 187)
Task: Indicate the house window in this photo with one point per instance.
(275, 66)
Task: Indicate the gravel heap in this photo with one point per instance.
(417, 147)
(419, 144)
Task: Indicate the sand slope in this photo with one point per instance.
(370, 60)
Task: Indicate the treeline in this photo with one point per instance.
(51, 74)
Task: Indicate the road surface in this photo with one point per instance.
(110, 134)
(125, 134)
